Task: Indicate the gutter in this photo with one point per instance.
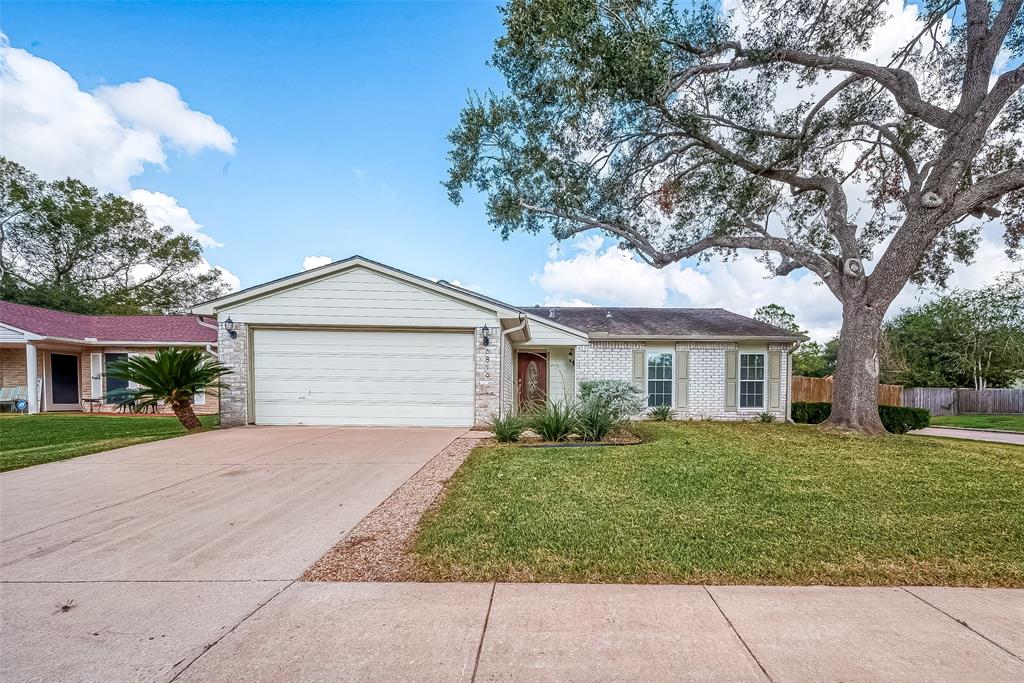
(523, 319)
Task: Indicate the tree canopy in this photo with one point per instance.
(963, 339)
(65, 245)
(689, 131)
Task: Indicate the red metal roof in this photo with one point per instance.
(110, 328)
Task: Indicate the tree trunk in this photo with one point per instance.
(855, 384)
(187, 418)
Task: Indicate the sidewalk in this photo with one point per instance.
(527, 632)
(973, 434)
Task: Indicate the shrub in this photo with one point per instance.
(553, 421)
(766, 417)
(660, 413)
(507, 429)
(595, 420)
(896, 419)
(900, 420)
(623, 398)
(811, 413)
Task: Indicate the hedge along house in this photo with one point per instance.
(356, 342)
(63, 356)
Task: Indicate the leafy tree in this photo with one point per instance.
(64, 245)
(777, 315)
(812, 359)
(689, 132)
(172, 376)
(964, 339)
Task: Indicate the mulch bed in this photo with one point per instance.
(377, 549)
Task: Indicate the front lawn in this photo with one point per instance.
(33, 439)
(718, 503)
(1009, 423)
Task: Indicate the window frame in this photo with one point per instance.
(671, 378)
(763, 381)
(124, 355)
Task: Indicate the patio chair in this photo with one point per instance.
(9, 396)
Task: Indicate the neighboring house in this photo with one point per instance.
(356, 342)
(63, 356)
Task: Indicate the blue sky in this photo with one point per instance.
(291, 130)
(340, 112)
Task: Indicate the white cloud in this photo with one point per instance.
(104, 138)
(311, 262)
(234, 283)
(164, 209)
(611, 276)
(157, 107)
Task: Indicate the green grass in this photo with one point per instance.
(705, 502)
(34, 439)
(1010, 423)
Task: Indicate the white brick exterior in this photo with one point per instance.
(606, 360)
(487, 360)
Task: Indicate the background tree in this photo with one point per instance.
(812, 359)
(64, 245)
(686, 132)
(777, 315)
(964, 339)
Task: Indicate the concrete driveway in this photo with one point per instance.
(165, 547)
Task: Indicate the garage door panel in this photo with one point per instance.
(363, 378)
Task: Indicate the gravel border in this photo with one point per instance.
(377, 548)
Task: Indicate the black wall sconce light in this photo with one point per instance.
(485, 333)
(229, 327)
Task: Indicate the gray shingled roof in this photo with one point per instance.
(660, 322)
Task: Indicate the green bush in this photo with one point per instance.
(766, 417)
(896, 419)
(624, 398)
(595, 420)
(507, 429)
(900, 420)
(660, 413)
(553, 421)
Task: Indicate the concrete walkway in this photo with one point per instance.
(162, 548)
(973, 435)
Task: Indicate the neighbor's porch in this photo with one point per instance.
(71, 378)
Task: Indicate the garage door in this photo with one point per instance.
(334, 377)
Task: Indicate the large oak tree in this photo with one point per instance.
(690, 132)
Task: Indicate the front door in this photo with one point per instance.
(63, 379)
(532, 378)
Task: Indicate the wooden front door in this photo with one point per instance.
(532, 378)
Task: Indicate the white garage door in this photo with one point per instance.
(335, 377)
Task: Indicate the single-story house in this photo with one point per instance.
(356, 342)
(57, 360)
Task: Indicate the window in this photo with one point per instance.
(659, 379)
(751, 380)
(114, 384)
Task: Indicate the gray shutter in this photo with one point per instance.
(638, 369)
(774, 379)
(731, 385)
(682, 379)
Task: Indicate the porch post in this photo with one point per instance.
(31, 377)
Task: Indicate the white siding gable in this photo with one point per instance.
(360, 297)
(543, 334)
(8, 334)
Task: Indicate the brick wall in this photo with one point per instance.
(606, 360)
(234, 353)
(487, 360)
(12, 368)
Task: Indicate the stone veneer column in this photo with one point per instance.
(234, 353)
(487, 360)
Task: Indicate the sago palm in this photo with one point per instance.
(173, 376)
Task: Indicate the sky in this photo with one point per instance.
(282, 135)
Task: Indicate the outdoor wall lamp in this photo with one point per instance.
(486, 334)
(229, 327)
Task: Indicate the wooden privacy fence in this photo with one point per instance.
(819, 390)
(939, 401)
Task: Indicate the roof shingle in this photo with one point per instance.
(659, 322)
(112, 328)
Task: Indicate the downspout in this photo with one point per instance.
(209, 347)
(501, 363)
(789, 380)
